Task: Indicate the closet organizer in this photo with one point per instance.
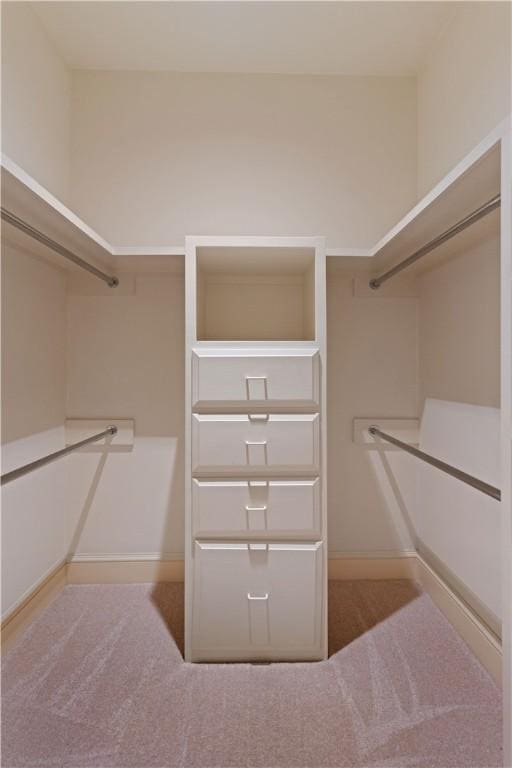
(256, 570)
(112, 281)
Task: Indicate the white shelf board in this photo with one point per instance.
(27, 199)
(473, 181)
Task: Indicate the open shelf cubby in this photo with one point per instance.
(255, 293)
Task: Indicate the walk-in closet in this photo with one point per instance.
(256, 384)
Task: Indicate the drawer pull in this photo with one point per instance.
(257, 597)
(256, 452)
(258, 417)
(260, 391)
(263, 508)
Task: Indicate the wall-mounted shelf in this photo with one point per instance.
(473, 181)
(28, 200)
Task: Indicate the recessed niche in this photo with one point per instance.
(255, 293)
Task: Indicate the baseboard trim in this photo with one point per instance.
(132, 569)
(346, 566)
(484, 644)
(124, 571)
(34, 602)
(140, 567)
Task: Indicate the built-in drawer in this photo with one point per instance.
(257, 601)
(256, 508)
(229, 382)
(255, 444)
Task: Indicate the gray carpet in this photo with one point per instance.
(99, 680)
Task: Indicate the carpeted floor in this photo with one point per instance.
(98, 680)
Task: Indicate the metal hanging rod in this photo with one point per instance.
(467, 221)
(10, 218)
(8, 476)
(486, 488)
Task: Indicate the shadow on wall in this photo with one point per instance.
(389, 484)
(89, 499)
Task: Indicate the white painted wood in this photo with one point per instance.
(148, 250)
(179, 250)
(267, 509)
(482, 641)
(257, 601)
(26, 198)
(456, 522)
(223, 381)
(474, 180)
(255, 434)
(506, 433)
(251, 444)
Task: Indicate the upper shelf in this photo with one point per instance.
(474, 181)
(29, 201)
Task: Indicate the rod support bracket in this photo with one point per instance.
(112, 429)
(374, 284)
(113, 282)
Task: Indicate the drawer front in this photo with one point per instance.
(255, 382)
(256, 508)
(257, 601)
(252, 445)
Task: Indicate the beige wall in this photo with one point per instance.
(33, 344)
(463, 88)
(459, 327)
(33, 401)
(242, 154)
(371, 372)
(126, 359)
(36, 94)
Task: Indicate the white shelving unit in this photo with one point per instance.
(256, 557)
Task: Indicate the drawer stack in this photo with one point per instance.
(256, 560)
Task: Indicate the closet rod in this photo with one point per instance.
(10, 218)
(467, 221)
(8, 476)
(490, 490)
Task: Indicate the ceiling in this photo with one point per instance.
(342, 38)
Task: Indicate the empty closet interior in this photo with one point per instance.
(255, 340)
(417, 357)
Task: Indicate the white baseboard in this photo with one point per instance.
(475, 633)
(29, 593)
(123, 557)
(32, 603)
(372, 565)
(147, 567)
(124, 571)
(116, 568)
